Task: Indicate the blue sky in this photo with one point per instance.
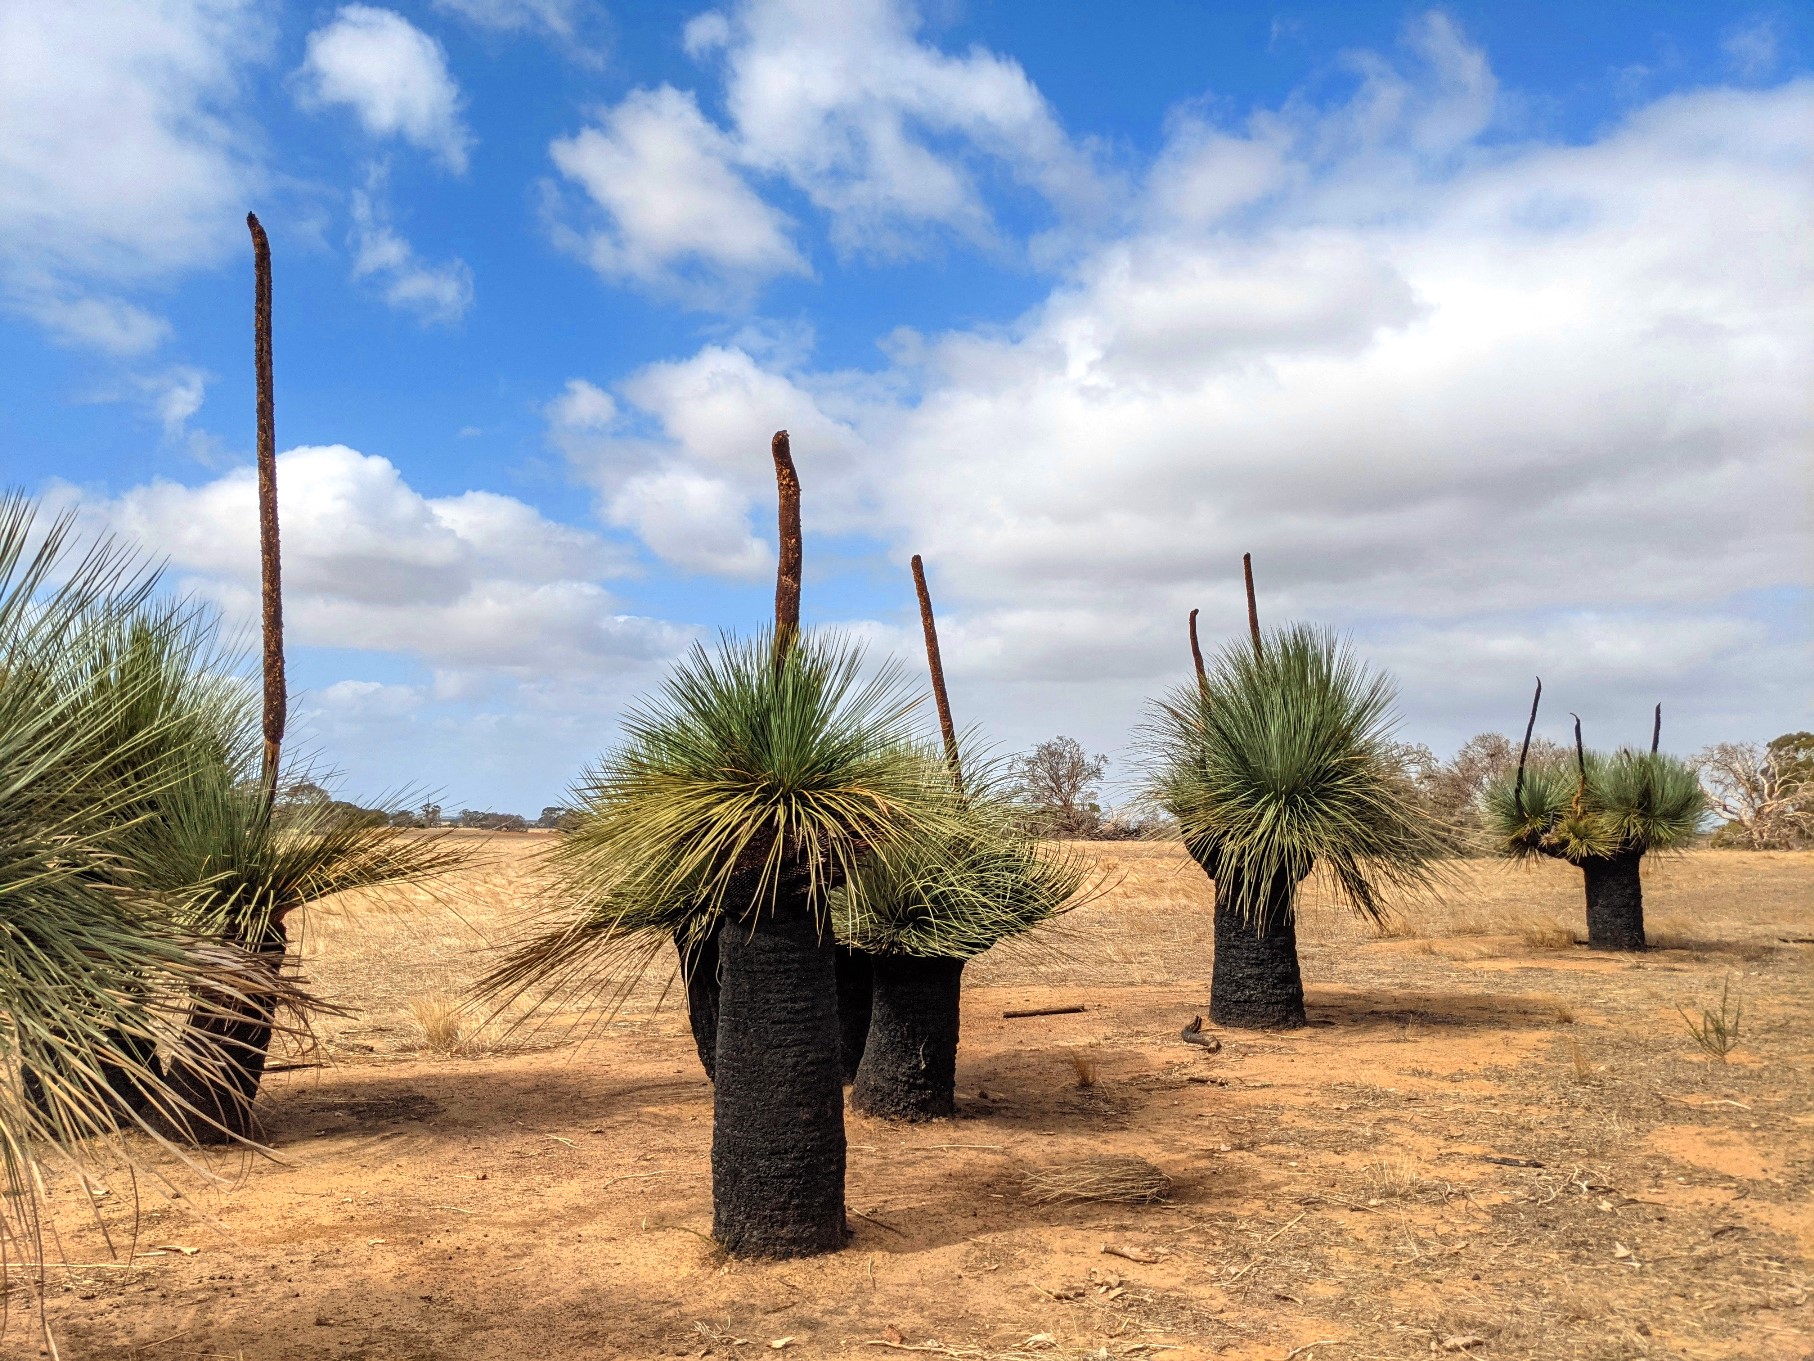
(1483, 327)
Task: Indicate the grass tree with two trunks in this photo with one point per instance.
(1602, 813)
(1278, 762)
(746, 792)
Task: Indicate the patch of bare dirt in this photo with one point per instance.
(1487, 1140)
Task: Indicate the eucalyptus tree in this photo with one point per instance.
(1603, 814)
(1278, 762)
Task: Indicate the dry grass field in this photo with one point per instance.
(1489, 1142)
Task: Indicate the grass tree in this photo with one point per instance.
(96, 968)
(1601, 813)
(745, 791)
(920, 918)
(1278, 762)
(914, 922)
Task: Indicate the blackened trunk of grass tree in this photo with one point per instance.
(856, 990)
(778, 1106)
(909, 1069)
(699, 974)
(1615, 902)
(217, 1072)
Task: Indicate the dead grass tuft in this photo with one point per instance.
(442, 1023)
(1390, 1179)
(1544, 932)
(1084, 1067)
(1124, 1181)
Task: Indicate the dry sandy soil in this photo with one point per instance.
(1489, 1142)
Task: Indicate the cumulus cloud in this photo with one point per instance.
(393, 77)
(120, 163)
(436, 294)
(473, 585)
(1449, 390)
(675, 212)
(879, 128)
(685, 458)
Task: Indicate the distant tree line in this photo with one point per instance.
(1764, 792)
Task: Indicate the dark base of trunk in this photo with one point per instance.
(699, 972)
(778, 1107)
(856, 991)
(122, 1103)
(909, 1070)
(221, 1065)
(1255, 984)
(1615, 902)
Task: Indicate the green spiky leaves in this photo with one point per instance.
(1282, 763)
(738, 770)
(1629, 801)
(954, 897)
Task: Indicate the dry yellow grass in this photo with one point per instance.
(1479, 1118)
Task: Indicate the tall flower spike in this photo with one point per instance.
(787, 572)
(1524, 753)
(936, 665)
(1253, 611)
(270, 555)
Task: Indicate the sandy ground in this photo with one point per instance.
(1489, 1142)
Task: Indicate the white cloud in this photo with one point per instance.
(1497, 407)
(392, 75)
(686, 465)
(677, 214)
(473, 585)
(880, 129)
(121, 162)
(557, 17)
(436, 294)
(1752, 47)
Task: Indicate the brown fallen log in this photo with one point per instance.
(1043, 1011)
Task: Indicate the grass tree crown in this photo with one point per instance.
(743, 767)
(1598, 807)
(1281, 761)
(953, 897)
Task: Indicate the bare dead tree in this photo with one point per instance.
(1765, 793)
(270, 555)
(1524, 752)
(787, 573)
(1196, 654)
(936, 665)
(1253, 611)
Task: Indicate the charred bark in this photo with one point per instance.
(909, 1070)
(1254, 979)
(218, 1070)
(1615, 902)
(778, 1105)
(699, 974)
(856, 993)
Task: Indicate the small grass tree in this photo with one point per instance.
(1279, 761)
(1601, 813)
(920, 918)
(916, 920)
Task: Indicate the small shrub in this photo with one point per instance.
(1717, 1033)
(442, 1023)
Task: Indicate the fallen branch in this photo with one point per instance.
(1131, 1254)
(1043, 1011)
